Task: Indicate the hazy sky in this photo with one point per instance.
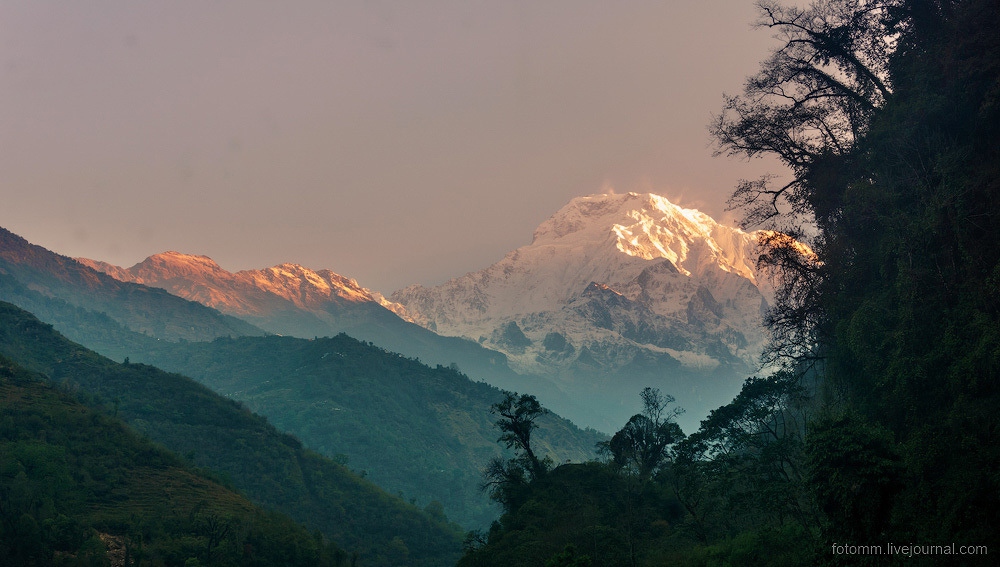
(393, 142)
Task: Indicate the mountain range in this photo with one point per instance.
(206, 432)
(430, 446)
(251, 294)
(293, 300)
(28, 270)
(615, 292)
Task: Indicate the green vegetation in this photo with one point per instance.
(238, 448)
(431, 425)
(603, 515)
(97, 331)
(77, 487)
(899, 320)
(879, 426)
(423, 432)
(728, 494)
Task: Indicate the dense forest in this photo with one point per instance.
(236, 448)
(874, 437)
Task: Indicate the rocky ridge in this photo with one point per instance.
(246, 292)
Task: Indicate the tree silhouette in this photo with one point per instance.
(517, 415)
(643, 445)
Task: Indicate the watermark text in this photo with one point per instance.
(908, 550)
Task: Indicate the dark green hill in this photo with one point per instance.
(370, 322)
(425, 432)
(77, 487)
(272, 468)
(32, 277)
(610, 519)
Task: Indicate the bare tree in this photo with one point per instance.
(810, 100)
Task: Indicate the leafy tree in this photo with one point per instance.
(762, 414)
(643, 445)
(517, 419)
(587, 506)
(744, 466)
(638, 451)
(857, 474)
(810, 105)
(569, 557)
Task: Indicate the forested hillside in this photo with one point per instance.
(424, 432)
(78, 487)
(243, 450)
(95, 329)
(877, 441)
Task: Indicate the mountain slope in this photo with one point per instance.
(78, 487)
(32, 274)
(426, 432)
(272, 468)
(462, 500)
(615, 290)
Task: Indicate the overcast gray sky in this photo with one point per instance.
(393, 142)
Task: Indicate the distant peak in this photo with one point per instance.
(174, 258)
(291, 267)
(649, 227)
(608, 210)
(181, 255)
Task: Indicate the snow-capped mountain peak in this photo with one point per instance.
(305, 287)
(608, 238)
(651, 252)
(616, 292)
(661, 229)
(648, 226)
